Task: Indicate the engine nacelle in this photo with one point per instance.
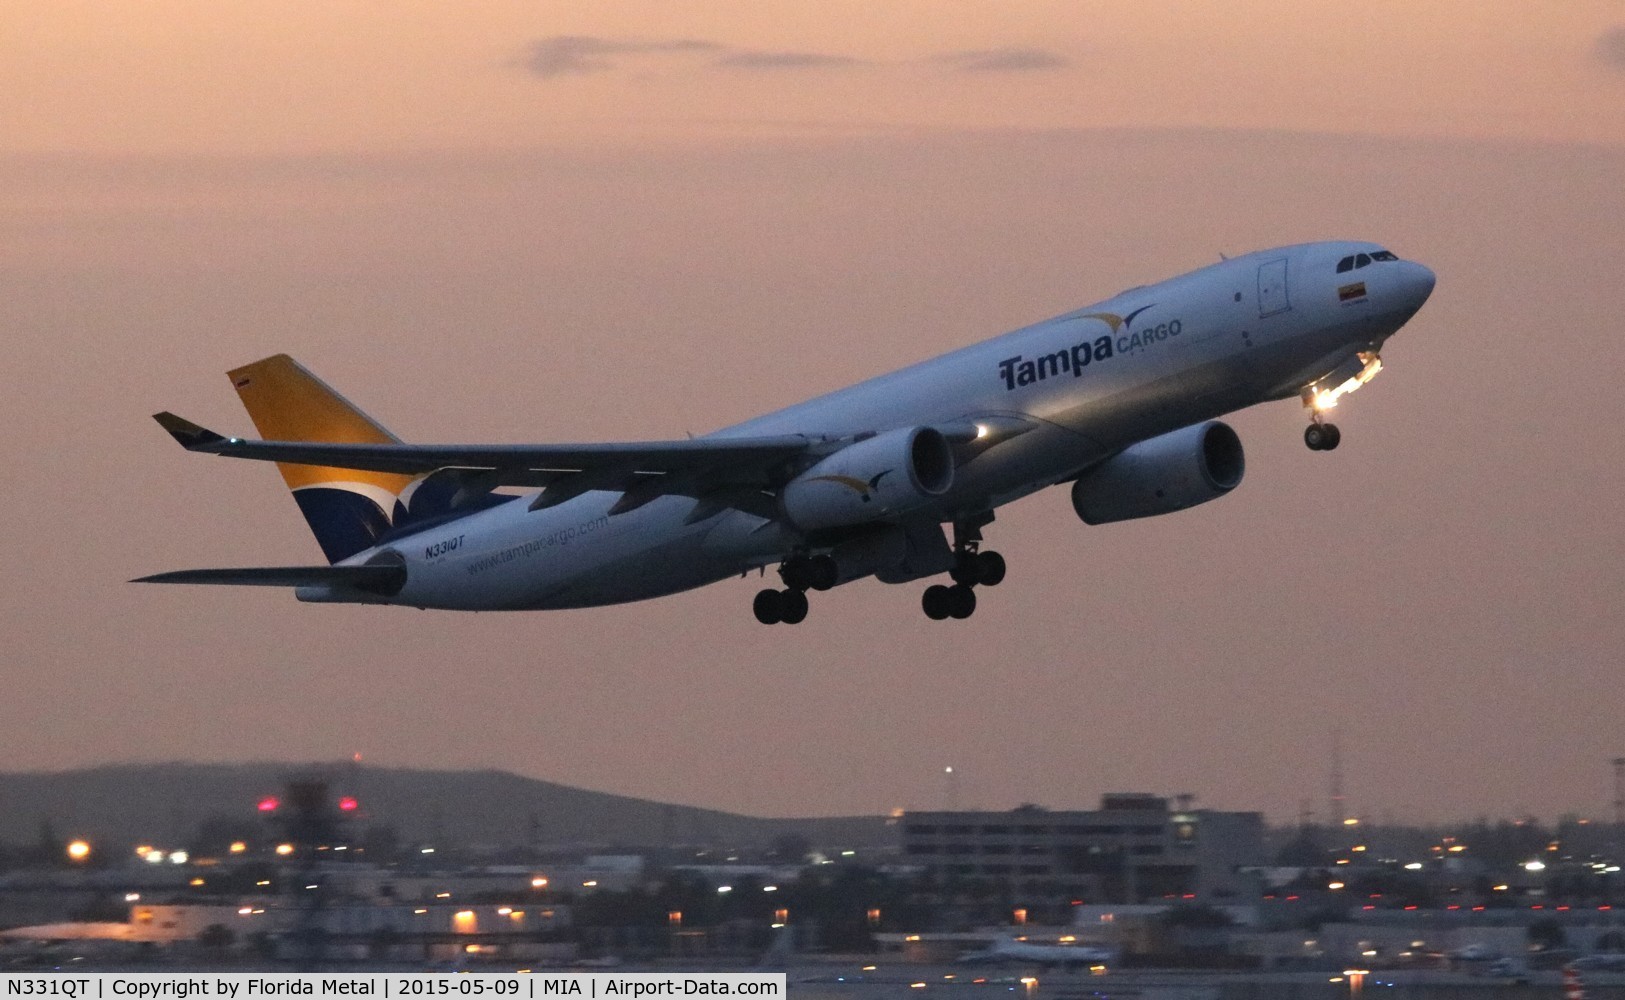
(1177, 470)
(884, 476)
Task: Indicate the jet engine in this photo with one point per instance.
(879, 477)
(1177, 470)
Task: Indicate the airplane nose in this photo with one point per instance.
(1418, 281)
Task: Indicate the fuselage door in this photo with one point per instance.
(1272, 295)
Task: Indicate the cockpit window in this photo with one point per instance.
(1346, 264)
(1361, 260)
(1383, 255)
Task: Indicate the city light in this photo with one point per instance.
(268, 804)
(1534, 866)
(132, 897)
(78, 850)
(538, 882)
(179, 857)
(723, 890)
(284, 849)
(238, 847)
(349, 804)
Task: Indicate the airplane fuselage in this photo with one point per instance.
(1052, 400)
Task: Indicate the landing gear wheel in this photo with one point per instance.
(989, 569)
(964, 571)
(937, 602)
(768, 606)
(1321, 437)
(792, 607)
(822, 572)
(961, 601)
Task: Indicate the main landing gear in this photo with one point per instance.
(1321, 436)
(800, 574)
(972, 567)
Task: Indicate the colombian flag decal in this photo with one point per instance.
(1348, 293)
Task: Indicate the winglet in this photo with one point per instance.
(190, 435)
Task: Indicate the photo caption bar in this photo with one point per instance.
(388, 985)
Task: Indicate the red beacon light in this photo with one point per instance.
(268, 804)
(349, 804)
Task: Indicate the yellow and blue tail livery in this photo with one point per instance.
(347, 509)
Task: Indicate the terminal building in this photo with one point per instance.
(1135, 848)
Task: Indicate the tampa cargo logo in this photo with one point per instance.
(1020, 370)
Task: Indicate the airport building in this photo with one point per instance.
(1135, 848)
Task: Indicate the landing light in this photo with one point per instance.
(1325, 399)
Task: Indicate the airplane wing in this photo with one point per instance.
(642, 470)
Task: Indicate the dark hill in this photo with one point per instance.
(164, 803)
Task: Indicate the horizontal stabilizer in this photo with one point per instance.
(190, 435)
(385, 580)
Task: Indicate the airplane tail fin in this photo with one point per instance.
(347, 509)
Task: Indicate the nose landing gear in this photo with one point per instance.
(1321, 436)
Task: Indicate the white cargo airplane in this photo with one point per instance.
(1118, 399)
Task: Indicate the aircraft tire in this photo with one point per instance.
(1315, 437)
(823, 573)
(796, 572)
(769, 607)
(990, 569)
(965, 571)
(1334, 437)
(792, 607)
(936, 602)
(962, 601)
